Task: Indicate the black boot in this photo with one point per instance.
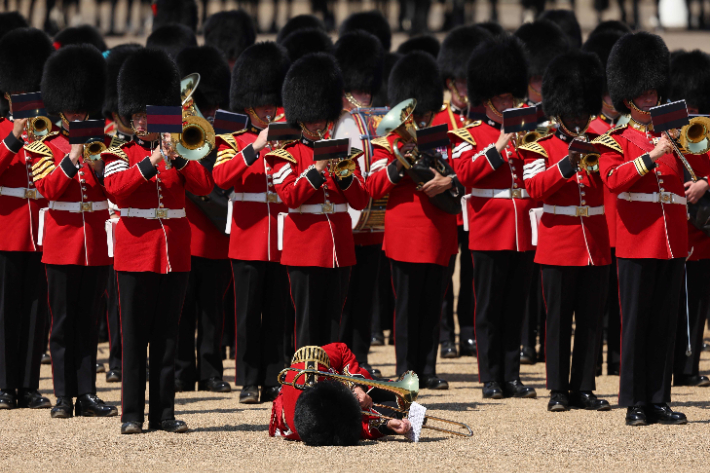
(32, 399)
(63, 409)
(8, 399)
(89, 405)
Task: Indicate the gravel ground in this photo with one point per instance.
(509, 435)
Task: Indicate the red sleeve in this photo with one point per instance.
(383, 173)
(356, 193)
(50, 180)
(231, 164)
(8, 149)
(473, 163)
(121, 180)
(542, 181)
(293, 189)
(369, 432)
(617, 173)
(341, 357)
(198, 180)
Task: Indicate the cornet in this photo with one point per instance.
(93, 150)
(38, 127)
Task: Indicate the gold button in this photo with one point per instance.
(584, 193)
(662, 189)
(584, 202)
(515, 185)
(161, 206)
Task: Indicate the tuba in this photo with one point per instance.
(197, 139)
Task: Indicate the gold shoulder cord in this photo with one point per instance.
(463, 134)
(40, 148)
(383, 143)
(282, 154)
(534, 147)
(608, 141)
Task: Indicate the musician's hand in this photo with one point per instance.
(437, 185)
(18, 127)
(76, 151)
(156, 157)
(503, 140)
(574, 158)
(695, 190)
(363, 398)
(664, 146)
(321, 165)
(260, 142)
(399, 426)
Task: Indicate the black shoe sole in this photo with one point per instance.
(249, 400)
(557, 408)
(449, 355)
(113, 379)
(668, 422)
(222, 390)
(493, 396)
(131, 430)
(44, 405)
(527, 361)
(61, 415)
(112, 413)
(636, 422)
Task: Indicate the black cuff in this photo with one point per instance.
(179, 162)
(68, 167)
(249, 155)
(344, 184)
(13, 144)
(494, 158)
(315, 178)
(394, 175)
(384, 430)
(566, 168)
(648, 162)
(147, 169)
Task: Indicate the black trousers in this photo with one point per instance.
(578, 290)
(535, 313)
(261, 301)
(466, 304)
(203, 308)
(383, 315)
(355, 325)
(74, 300)
(419, 290)
(501, 280)
(649, 290)
(113, 321)
(612, 319)
(318, 296)
(228, 328)
(23, 286)
(150, 305)
(696, 294)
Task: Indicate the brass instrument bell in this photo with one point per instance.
(400, 120)
(93, 150)
(694, 136)
(197, 139)
(38, 126)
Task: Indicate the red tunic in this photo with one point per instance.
(77, 238)
(253, 234)
(309, 239)
(415, 230)
(643, 229)
(565, 240)
(155, 245)
(599, 126)
(698, 242)
(282, 425)
(495, 224)
(206, 240)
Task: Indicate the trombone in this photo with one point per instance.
(405, 389)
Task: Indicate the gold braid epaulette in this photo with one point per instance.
(229, 139)
(608, 141)
(382, 142)
(535, 147)
(355, 153)
(283, 154)
(118, 152)
(463, 134)
(116, 142)
(37, 147)
(311, 353)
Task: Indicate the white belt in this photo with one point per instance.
(78, 207)
(259, 197)
(110, 227)
(573, 210)
(656, 197)
(490, 194)
(153, 213)
(322, 209)
(21, 192)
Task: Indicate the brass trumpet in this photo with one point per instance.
(37, 127)
(93, 150)
(341, 168)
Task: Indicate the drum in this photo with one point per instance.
(359, 125)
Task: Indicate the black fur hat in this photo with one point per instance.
(573, 85)
(416, 76)
(490, 72)
(328, 414)
(611, 25)
(426, 43)
(210, 64)
(84, 34)
(20, 71)
(637, 62)
(457, 48)
(183, 12)
(567, 21)
(371, 21)
(380, 99)
(361, 60)
(493, 28)
(258, 76)
(299, 22)
(117, 56)
(74, 80)
(601, 44)
(544, 41)
(231, 32)
(171, 39)
(306, 41)
(690, 79)
(10, 21)
(313, 89)
(136, 89)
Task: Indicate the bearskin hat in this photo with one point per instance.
(426, 43)
(231, 32)
(493, 28)
(10, 21)
(116, 57)
(457, 48)
(573, 85)
(210, 64)
(601, 44)
(490, 72)
(544, 41)
(258, 76)
(171, 39)
(361, 60)
(371, 21)
(611, 25)
(74, 79)
(84, 34)
(416, 76)
(19, 71)
(136, 89)
(328, 414)
(380, 99)
(567, 21)
(637, 62)
(690, 79)
(310, 40)
(299, 22)
(313, 89)
(183, 12)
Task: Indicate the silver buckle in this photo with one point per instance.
(31, 194)
(665, 197)
(516, 193)
(161, 213)
(272, 198)
(87, 207)
(327, 207)
(581, 212)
